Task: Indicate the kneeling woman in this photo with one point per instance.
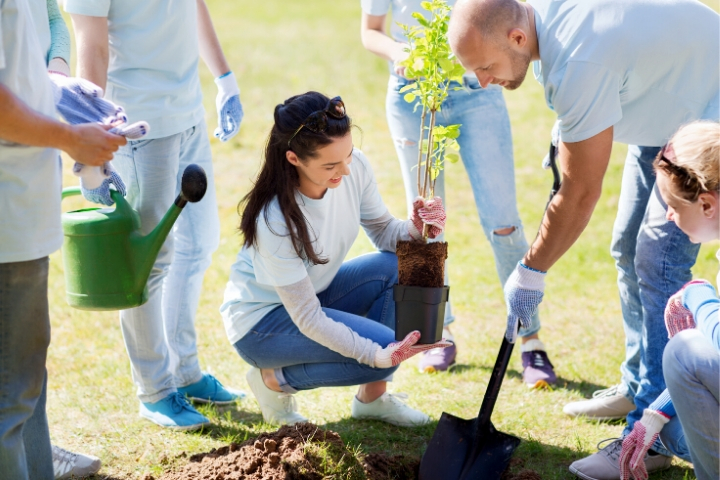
(293, 309)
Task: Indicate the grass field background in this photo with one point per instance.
(279, 48)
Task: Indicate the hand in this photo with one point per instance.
(92, 144)
(636, 445)
(400, 56)
(95, 182)
(677, 317)
(523, 294)
(427, 212)
(80, 101)
(398, 352)
(230, 111)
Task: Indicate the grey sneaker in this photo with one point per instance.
(68, 464)
(277, 408)
(605, 464)
(608, 404)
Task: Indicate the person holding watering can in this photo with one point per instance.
(626, 71)
(147, 54)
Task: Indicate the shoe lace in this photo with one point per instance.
(289, 402)
(613, 449)
(538, 360)
(63, 461)
(396, 398)
(179, 402)
(607, 392)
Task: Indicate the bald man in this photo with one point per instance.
(624, 70)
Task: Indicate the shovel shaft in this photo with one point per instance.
(494, 385)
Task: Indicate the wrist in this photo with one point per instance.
(227, 84)
(654, 420)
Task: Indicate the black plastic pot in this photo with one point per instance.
(420, 308)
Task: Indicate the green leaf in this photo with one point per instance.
(407, 87)
(426, 5)
(409, 97)
(452, 157)
(420, 19)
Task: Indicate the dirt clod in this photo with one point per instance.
(421, 264)
(379, 466)
(294, 452)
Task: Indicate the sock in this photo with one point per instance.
(532, 345)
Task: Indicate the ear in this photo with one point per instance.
(517, 37)
(292, 158)
(709, 202)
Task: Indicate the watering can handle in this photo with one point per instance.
(70, 191)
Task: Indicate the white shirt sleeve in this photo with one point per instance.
(586, 98)
(375, 7)
(301, 302)
(91, 8)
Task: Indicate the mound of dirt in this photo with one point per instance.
(294, 452)
(522, 474)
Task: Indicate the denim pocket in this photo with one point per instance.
(472, 83)
(397, 83)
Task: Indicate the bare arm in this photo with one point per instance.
(210, 49)
(91, 34)
(583, 165)
(87, 143)
(375, 40)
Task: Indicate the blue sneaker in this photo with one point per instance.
(174, 411)
(209, 390)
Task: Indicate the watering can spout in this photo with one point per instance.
(193, 188)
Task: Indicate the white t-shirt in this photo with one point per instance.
(153, 67)
(335, 222)
(644, 67)
(30, 177)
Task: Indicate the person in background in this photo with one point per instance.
(300, 314)
(486, 150)
(145, 55)
(30, 182)
(686, 415)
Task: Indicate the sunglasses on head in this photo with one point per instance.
(689, 182)
(317, 121)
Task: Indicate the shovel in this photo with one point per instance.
(474, 449)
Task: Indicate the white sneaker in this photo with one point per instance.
(608, 404)
(391, 409)
(277, 408)
(68, 464)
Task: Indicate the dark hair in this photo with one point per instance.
(279, 178)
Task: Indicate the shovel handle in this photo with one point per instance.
(493, 388)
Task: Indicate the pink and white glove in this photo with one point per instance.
(636, 445)
(427, 212)
(398, 352)
(677, 317)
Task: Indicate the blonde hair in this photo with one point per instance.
(696, 166)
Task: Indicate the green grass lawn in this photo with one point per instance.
(279, 48)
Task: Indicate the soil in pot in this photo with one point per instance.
(294, 452)
(421, 264)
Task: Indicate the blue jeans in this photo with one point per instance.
(25, 451)
(692, 374)
(653, 258)
(361, 297)
(160, 335)
(486, 150)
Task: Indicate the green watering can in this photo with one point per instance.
(107, 259)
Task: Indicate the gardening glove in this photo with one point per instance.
(523, 294)
(398, 352)
(677, 317)
(555, 139)
(95, 181)
(427, 212)
(636, 445)
(80, 101)
(230, 111)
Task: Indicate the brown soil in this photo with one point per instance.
(421, 264)
(294, 452)
(522, 474)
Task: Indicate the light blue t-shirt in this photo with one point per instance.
(30, 177)
(335, 221)
(153, 66)
(644, 67)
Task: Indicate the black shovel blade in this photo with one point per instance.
(458, 450)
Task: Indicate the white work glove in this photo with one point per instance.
(398, 352)
(427, 212)
(80, 101)
(636, 445)
(229, 108)
(523, 294)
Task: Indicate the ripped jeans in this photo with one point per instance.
(486, 150)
